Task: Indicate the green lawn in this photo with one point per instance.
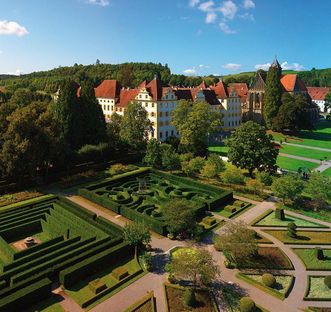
(308, 257)
(304, 152)
(318, 290)
(320, 137)
(271, 220)
(222, 150)
(303, 237)
(294, 164)
(327, 172)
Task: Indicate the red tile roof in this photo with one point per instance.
(318, 93)
(220, 90)
(126, 96)
(289, 82)
(155, 89)
(242, 90)
(108, 89)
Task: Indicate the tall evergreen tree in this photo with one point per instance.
(273, 94)
(94, 124)
(67, 113)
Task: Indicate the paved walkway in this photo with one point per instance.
(316, 161)
(154, 281)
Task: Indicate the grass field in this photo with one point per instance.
(294, 164)
(318, 290)
(303, 237)
(304, 152)
(327, 172)
(271, 220)
(222, 150)
(308, 257)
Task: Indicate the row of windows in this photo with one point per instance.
(167, 134)
(107, 107)
(234, 123)
(166, 105)
(166, 123)
(105, 101)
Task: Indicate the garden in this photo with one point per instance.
(302, 237)
(315, 258)
(141, 196)
(319, 288)
(233, 209)
(279, 218)
(53, 240)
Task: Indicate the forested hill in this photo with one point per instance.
(132, 74)
(312, 78)
(128, 74)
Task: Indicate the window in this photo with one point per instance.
(172, 132)
(161, 135)
(152, 114)
(140, 96)
(161, 123)
(107, 107)
(146, 96)
(167, 123)
(153, 105)
(120, 109)
(161, 114)
(146, 104)
(167, 114)
(112, 108)
(167, 134)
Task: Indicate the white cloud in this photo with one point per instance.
(232, 66)
(201, 66)
(190, 71)
(294, 66)
(12, 28)
(206, 6)
(17, 72)
(247, 16)
(229, 9)
(262, 66)
(226, 28)
(210, 17)
(193, 3)
(249, 4)
(102, 3)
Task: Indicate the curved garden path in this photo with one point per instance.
(161, 245)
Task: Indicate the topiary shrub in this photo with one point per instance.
(319, 253)
(189, 298)
(292, 230)
(279, 214)
(327, 281)
(230, 208)
(247, 305)
(268, 280)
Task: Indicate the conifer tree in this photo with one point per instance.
(94, 124)
(273, 94)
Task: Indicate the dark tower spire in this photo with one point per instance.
(277, 66)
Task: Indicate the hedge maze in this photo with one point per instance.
(141, 196)
(72, 243)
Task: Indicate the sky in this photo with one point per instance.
(194, 37)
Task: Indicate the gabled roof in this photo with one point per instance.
(210, 97)
(292, 82)
(155, 89)
(126, 96)
(220, 90)
(318, 93)
(242, 90)
(108, 89)
(184, 93)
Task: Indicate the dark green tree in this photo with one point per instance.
(250, 147)
(302, 108)
(94, 124)
(292, 230)
(169, 157)
(137, 235)
(273, 93)
(113, 129)
(153, 154)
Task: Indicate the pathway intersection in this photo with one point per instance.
(161, 246)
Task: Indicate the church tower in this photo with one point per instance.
(277, 66)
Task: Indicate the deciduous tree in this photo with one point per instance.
(137, 235)
(288, 187)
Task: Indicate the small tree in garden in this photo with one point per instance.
(327, 281)
(232, 175)
(288, 188)
(238, 241)
(279, 214)
(209, 171)
(268, 280)
(179, 216)
(255, 186)
(214, 165)
(319, 253)
(292, 230)
(195, 265)
(136, 234)
(247, 305)
(264, 177)
(153, 154)
(169, 157)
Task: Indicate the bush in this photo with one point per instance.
(232, 175)
(279, 214)
(247, 305)
(264, 177)
(120, 273)
(189, 298)
(268, 280)
(327, 281)
(94, 152)
(118, 169)
(319, 253)
(230, 208)
(292, 230)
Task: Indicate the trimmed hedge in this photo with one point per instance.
(12, 233)
(81, 270)
(6, 249)
(147, 298)
(26, 296)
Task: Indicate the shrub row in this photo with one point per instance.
(90, 301)
(76, 209)
(140, 303)
(26, 296)
(109, 227)
(6, 249)
(21, 221)
(35, 248)
(73, 274)
(12, 233)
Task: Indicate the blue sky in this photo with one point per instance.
(193, 37)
